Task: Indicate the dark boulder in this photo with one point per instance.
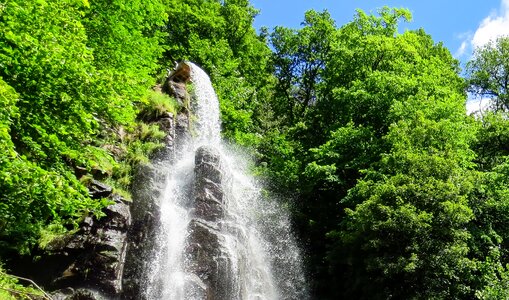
(207, 256)
(77, 294)
(182, 132)
(167, 125)
(176, 83)
(181, 73)
(143, 231)
(88, 264)
(210, 261)
(98, 250)
(208, 193)
(179, 91)
(97, 190)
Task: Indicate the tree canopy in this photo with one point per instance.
(488, 72)
(64, 85)
(389, 171)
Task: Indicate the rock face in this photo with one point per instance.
(178, 90)
(142, 233)
(208, 193)
(76, 294)
(147, 187)
(175, 84)
(208, 259)
(167, 124)
(181, 73)
(182, 132)
(101, 245)
(90, 263)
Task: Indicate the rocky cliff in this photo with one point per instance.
(145, 211)
(105, 258)
(90, 263)
(209, 260)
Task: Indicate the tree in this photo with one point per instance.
(375, 87)
(488, 72)
(487, 75)
(299, 58)
(408, 227)
(219, 37)
(66, 83)
(492, 142)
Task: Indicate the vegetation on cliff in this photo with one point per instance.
(361, 128)
(73, 76)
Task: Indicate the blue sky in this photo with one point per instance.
(460, 25)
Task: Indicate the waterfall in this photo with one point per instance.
(219, 238)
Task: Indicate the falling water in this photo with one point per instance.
(257, 247)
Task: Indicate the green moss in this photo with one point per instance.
(150, 132)
(52, 236)
(155, 104)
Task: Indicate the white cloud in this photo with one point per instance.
(461, 50)
(493, 26)
(466, 44)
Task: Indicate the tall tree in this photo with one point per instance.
(406, 234)
(488, 72)
(488, 76)
(219, 36)
(371, 77)
(299, 59)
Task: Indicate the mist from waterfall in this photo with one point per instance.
(255, 233)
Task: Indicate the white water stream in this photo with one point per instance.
(255, 233)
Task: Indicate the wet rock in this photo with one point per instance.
(207, 166)
(207, 256)
(195, 288)
(80, 171)
(210, 261)
(167, 124)
(208, 203)
(182, 132)
(118, 215)
(181, 73)
(78, 294)
(175, 84)
(62, 294)
(99, 250)
(90, 261)
(97, 190)
(208, 193)
(178, 90)
(143, 230)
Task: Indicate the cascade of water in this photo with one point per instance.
(206, 108)
(256, 256)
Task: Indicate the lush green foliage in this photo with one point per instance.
(10, 289)
(395, 191)
(488, 72)
(71, 76)
(395, 188)
(416, 196)
(156, 104)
